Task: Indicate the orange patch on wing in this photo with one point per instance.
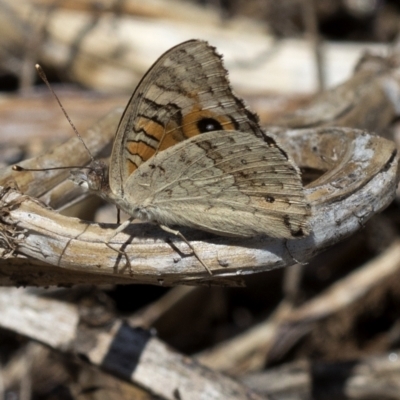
(174, 137)
(172, 134)
(190, 120)
(142, 149)
(152, 128)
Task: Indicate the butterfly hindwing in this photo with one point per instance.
(226, 182)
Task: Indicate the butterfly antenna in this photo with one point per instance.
(46, 81)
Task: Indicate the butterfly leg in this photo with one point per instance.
(177, 233)
(115, 233)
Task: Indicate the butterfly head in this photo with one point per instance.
(93, 177)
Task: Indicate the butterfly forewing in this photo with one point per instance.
(226, 182)
(185, 93)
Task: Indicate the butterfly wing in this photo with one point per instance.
(226, 182)
(186, 92)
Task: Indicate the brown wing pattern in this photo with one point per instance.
(185, 93)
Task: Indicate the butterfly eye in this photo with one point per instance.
(208, 125)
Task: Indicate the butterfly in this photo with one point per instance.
(188, 152)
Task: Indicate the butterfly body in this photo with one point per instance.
(188, 152)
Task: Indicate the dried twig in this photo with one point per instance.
(251, 350)
(129, 353)
(375, 377)
(358, 186)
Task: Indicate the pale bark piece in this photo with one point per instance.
(362, 181)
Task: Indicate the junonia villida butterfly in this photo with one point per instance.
(188, 152)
